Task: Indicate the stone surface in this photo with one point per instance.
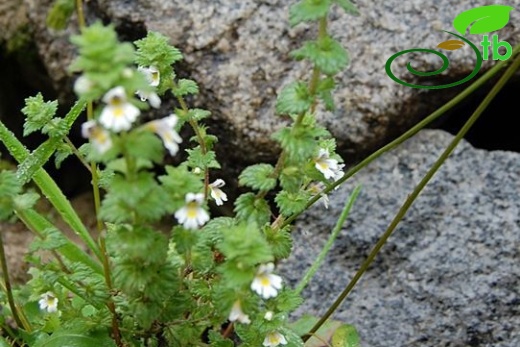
(238, 52)
(450, 274)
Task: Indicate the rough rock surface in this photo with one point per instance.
(238, 52)
(450, 274)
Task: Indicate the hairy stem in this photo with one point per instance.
(326, 248)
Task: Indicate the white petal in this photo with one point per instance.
(117, 92)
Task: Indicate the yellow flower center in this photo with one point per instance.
(118, 111)
(192, 208)
(264, 280)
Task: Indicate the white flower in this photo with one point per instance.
(273, 339)
(118, 114)
(238, 315)
(265, 283)
(197, 171)
(164, 127)
(327, 166)
(152, 75)
(100, 137)
(48, 302)
(268, 315)
(216, 193)
(316, 188)
(339, 173)
(152, 97)
(83, 85)
(191, 216)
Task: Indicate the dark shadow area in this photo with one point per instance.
(497, 128)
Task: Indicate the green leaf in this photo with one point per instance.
(300, 143)
(324, 92)
(217, 340)
(184, 87)
(485, 19)
(294, 99)
(197, 159)
(348, 7)
(142, 198)
(252, 210)
(288, 300)
(184, 239)
(26, 201)
(155, 49)
(144, 145)
(303, 325)
(258, 177)
(10, 187)
(346, 336)
(63, 151)
(292, 203)
(245, 245)
(291, 178)
(178, 182)
(71, 339)
(280, 241)
(326, 53)
(60, 13)
(38, 113)
(308, 10)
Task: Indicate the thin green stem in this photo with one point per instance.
(97, 206)
(328, 245)
(81, 16)
(200, 139)
(77, 153)
(411, 132)
(411, 198)
(7, 282)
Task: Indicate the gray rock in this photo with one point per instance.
(450, 274)
(238, 52)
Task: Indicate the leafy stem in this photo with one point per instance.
(200, 139)
(408, 134)
(413, 196)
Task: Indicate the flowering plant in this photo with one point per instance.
(209, 280)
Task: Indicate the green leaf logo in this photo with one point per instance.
(484, 19)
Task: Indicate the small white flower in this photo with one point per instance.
(100, 137)
(238, 315)
(152, 97)
(192, 215)
(83, 85)
(338, 173)
(268, 315)
(327, 166)
(216, 192)
(316, 188)
(265, 283)
(164, 127)
(152, 75)
(48, 302)
(197, 171)
(118, 114)
(273, 339)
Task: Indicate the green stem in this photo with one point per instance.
(200, 139)
(77, 153)
(411, 132)
(411, 198)
(326, 248)
(7, 281)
